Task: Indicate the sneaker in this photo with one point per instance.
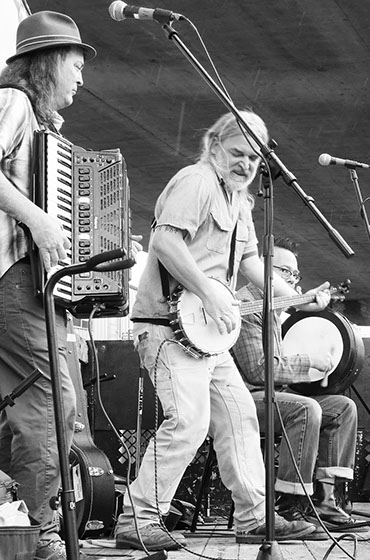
(154, 537)
(295, 510)
(284, 531)
(53, 550)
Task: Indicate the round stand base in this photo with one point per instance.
(270, 551)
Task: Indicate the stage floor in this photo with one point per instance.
(215, 541)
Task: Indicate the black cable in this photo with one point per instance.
(96, 370)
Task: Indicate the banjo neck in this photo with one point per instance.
(281, 302)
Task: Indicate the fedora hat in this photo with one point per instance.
(46, 30)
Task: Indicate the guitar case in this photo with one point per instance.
(91, 472)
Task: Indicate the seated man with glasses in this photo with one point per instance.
(321, 429)
(292, 276)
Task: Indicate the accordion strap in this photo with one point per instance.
(26, 92)
(21, 88)
(51, 125)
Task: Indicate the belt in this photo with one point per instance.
(154, 321)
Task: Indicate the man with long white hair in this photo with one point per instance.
(203, 228)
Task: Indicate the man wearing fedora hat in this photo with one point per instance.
(41, 78)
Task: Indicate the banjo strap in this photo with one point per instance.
(230, 271)
(163, 272)
(165, 280)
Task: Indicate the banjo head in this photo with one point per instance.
(196, 330)
(325, 331)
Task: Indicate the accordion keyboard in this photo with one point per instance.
(59, 199)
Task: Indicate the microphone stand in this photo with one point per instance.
(269, 549)
(97, 262)
(361, 201)
(8, 400)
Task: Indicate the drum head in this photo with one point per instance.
(326, 331)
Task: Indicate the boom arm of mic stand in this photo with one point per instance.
(97, 262)
(266, 151)
(291, 181)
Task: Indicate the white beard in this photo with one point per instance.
(237, 183)
(233, 182)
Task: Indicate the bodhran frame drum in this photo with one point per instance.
(325, 331)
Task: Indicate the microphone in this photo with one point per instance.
(120, 10)
(325, 160)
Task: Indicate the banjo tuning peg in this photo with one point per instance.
(347, 284)
(344, 286)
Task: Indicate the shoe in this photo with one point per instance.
(154, 537)
(284, 531)
(337, 520)
(53, 550)
(294, 508)
(331, 514)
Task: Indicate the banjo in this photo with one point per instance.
(197, 332)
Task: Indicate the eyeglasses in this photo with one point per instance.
(287, 274)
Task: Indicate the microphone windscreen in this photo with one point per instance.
(324, 159)
(116, 10)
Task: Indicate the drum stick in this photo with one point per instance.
(325, 380)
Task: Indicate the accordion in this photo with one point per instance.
(88, 192)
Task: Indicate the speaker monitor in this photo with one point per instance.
(128, 397)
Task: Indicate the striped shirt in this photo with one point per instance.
(17, 126)
(249, 355)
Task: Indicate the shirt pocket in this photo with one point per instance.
(219, 236)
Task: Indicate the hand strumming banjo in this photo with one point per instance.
(197, 332)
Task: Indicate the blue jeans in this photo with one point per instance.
(322, 433)
(28, 448)
(198, 396)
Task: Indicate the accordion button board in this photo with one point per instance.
(88, 192)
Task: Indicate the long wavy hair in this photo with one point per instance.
(227, 126)
(36, 73)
